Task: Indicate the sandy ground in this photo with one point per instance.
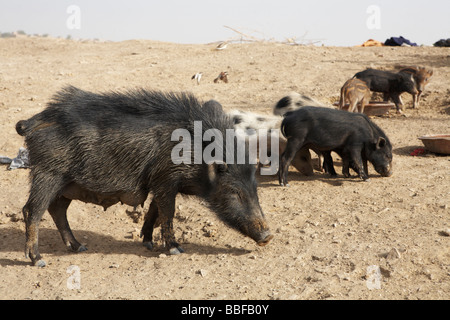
(335, 238)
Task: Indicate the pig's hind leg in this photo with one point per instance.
(58, 211)
(353, 105)
(292, 147)
(398, 102)
(44, 188)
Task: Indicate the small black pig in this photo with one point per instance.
(352, 135)
(392, 84)
(117, 147)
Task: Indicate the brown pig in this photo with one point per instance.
(421, 77)
(354, 91)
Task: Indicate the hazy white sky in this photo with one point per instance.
(334, 22)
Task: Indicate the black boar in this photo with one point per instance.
(214, 105)
(421, 77)
(352, 135)
(354, 91)
(117, 147)
(392, 84)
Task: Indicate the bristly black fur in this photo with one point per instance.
(114, 147)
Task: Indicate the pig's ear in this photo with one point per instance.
(215, 169)
(381, 142)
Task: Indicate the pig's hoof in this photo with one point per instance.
(75, 248)
(40, 263)
(148, 245)
(176, 250)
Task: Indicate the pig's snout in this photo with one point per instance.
(388, 174)
(258, 231)
(265, 238)
(385, 171)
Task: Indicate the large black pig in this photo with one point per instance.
(116, 147)
(392, 84)
(352, 135)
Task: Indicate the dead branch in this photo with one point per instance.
(243, 37)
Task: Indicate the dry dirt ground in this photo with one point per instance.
(335, 238)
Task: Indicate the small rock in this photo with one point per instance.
(202, 272)
(393, 254)
(4, 220)
(135, 235)
(13, 217)
(445, 232)
(385, 272)
(319, 270)
(209, 230)
(384, 210)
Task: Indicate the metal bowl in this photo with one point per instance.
(374, 108)
(437, 143)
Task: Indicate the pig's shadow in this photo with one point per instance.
(339, 180)
(50, 243)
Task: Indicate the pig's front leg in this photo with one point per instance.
(356, 163)
(150, 223)
(328, 163)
